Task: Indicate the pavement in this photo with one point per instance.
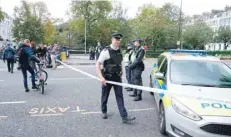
(70, 106)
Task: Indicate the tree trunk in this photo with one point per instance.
(226, 45)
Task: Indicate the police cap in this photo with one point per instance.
(129, 44)
(138, 39)
(117, 36)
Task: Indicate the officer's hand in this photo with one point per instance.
(103, 81)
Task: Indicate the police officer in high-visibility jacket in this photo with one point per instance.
(111, 59)
(137, 67)
(127, 61)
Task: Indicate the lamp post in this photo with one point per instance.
(179, 42)
(85, 36)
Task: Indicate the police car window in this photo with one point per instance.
(163, 68)
(160, 60)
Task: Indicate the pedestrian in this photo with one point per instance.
(18, 52)
(41, 52)
(98, 50)
(91, 51)
(127, 61)
(33, 48)
(111, 58)
(26, 54)
(54, 53)
(9, 56)
(137, 67)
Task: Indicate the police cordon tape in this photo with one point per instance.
(148, 89)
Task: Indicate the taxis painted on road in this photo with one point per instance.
(197, 97)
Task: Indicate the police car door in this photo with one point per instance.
(157, 82)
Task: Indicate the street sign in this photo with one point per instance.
(178, 43)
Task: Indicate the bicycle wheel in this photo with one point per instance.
(42, 86)
(44, 73)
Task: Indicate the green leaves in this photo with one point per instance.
(1, 15)
(224, 35)
(198, 35)
(28, 21)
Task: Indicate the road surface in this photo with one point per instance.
(70, 107)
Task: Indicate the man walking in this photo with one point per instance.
(111, 59)
(26, 54)
(9, 56)
(137, 67)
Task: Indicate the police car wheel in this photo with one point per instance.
(161, 120)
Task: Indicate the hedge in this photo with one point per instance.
(220, 53)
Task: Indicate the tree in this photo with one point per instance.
(224, 35)
(198, 35)
(26, 25)
(39, 9)
(49, 33)
(1, 15)
(170, 12)
(93, 12)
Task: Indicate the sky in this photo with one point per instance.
(58, 8)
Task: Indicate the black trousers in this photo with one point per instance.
(24, 70)
(10, 65)
(119, 98)
(137, 79)
(128, 75)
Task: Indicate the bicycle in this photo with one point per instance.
(41, 78)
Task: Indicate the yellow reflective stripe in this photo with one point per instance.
(160, 82)
(166, 100)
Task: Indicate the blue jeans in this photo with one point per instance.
(24, 73)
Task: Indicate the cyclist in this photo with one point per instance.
(26, 54)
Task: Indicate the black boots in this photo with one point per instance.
(138, 98)
(128, 119)
(104, 115)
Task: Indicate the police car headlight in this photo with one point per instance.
(183, 110)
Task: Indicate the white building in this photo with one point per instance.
(215, 21)
(6, 29)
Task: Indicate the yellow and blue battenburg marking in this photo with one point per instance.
(161, 85)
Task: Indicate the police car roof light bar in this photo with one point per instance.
(194, 52)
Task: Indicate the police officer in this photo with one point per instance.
(111, 59)
(98, 50)
(137, 67)
(127, 61)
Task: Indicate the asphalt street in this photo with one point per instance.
(70, 107)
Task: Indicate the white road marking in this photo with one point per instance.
(132, 110)
(3, 117)
(69, 78)
(13, 102)
(96, 112)
(2, 80)
(42, 115)
(135, 110)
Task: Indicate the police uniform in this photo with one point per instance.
(137, 67)
(127, 61)
(111, 59)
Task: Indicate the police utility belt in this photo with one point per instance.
(112, 71)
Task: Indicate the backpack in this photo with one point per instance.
(18, 52)
(9, 54)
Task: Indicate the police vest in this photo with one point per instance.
(113, 64)
(135, 54)
(127, 57)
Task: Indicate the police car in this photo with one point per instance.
(196, 101)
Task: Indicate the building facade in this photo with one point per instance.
(6, 29)
(215, 21)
